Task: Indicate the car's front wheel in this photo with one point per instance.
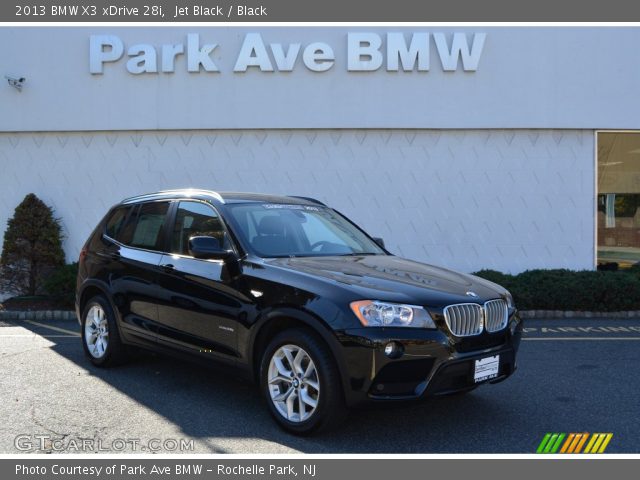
(100, 336)
(301, 383)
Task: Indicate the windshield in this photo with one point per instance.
(280, 230)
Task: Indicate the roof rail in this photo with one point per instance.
(214, 194)
(310, 199)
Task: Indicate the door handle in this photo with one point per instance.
(167, 267)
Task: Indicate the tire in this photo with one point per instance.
(318, 381)
(100, 335)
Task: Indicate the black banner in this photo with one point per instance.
(313, 469)
(167, 11)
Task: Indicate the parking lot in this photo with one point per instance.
(574, 376)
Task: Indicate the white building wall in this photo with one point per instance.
(510, 200)
(526, 77)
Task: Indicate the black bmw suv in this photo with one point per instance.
(293, 294)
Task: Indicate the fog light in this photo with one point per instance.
(393, 350)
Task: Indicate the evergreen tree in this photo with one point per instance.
(32, 247)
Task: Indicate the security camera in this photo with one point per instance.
(15, 82)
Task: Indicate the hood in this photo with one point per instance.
(386, 277)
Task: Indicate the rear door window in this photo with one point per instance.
(148, 227)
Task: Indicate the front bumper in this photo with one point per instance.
(432, 362)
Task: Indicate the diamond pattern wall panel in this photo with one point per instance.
(469, 199)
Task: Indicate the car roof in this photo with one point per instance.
(223, 197)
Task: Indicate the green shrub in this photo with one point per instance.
(494, 276)
(601, 291)
(61, 284)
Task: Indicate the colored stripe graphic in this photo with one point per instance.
(543, 443)
(571, 440)
(605, 443)
(596, 443)
(592, 440)
(581, 443)
(574, 443)
(556, 445)
(551, 443)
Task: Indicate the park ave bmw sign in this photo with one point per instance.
(366, 52)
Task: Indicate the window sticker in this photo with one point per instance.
(275, 206)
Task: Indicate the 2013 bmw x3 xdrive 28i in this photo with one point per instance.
(293, 293)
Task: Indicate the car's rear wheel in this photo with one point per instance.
(301, 383)
(100, 336)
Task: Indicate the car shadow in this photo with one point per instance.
(209, 403)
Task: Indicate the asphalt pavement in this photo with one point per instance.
(574, 376)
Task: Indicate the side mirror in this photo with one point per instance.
(379, 241)
(208, 248)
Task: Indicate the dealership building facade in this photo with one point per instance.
(477, 147)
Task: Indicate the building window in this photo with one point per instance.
(618, 199)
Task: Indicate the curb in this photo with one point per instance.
(38, 315)
(553, 314)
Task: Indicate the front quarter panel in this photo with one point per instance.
(281, 294)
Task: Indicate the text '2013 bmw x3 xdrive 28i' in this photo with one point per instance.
(293, 293)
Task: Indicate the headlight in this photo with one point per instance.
(373, 313)
(510, 303)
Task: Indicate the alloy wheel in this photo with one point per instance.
(96, 331)
(293, 383)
